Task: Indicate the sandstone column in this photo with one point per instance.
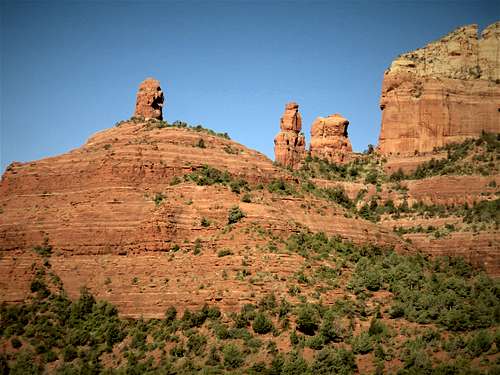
(289, 143)
(149, 102)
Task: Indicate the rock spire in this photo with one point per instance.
(289, 143)
(150, 99)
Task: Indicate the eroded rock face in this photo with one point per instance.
(150, 99)
(443, 93)
(289, 143)
(329, 139)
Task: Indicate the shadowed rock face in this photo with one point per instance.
(289, 143)
(329, 139)
(150, 99)
(443, 93)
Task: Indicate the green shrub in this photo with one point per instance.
(239, 185)
(334, 361)
(45, 250)
(362, 344)
(316, 342)
(224, 253)
(233, 357)
(197, 247)
(69, 353)
(16, 343)
(377, 328)
(158, 198)
(307, 319)
(262, 324)
(196, 344)
(295, 365)
(479, 343)
(246, 198)
(25, 364)
(205, 222)
(201, 143)
(331, 330)
(281, 187)
(235, 215)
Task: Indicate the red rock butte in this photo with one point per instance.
(443, 93)
(329, 139)
(150, 99)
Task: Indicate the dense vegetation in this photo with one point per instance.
(442, 315)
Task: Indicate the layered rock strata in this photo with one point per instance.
(149, 103)
(329, 139)
(443, 93)
(289, 143)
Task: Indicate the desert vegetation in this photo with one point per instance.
(437, 316)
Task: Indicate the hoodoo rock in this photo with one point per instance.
(443, 93)
(289, 143)
(329, 139)
(150, 98)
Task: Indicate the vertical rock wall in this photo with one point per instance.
(443, 93)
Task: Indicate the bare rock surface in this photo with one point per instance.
(443, 93)
(329, 139)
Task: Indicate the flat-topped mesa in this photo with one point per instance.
(150, 99)
(443, 93)
(289, 143)
(329, 139)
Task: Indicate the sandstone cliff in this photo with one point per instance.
(329, 139)
(122, 207)
(289, 143)
(442, 93)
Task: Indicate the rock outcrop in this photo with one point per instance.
(150, 99)
(329, 139)
(289, 143)
(443, 93)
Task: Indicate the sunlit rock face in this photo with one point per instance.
(443, 93)
(289, 143)
(329, 139)
(149, 103)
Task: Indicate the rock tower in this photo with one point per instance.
(289, 143)
(150, 99)
(329, 139)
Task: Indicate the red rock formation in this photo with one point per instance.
(329, 139)
(443, 93)
(149, 102)
(289, 143)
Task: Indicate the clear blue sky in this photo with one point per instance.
(69, 69)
